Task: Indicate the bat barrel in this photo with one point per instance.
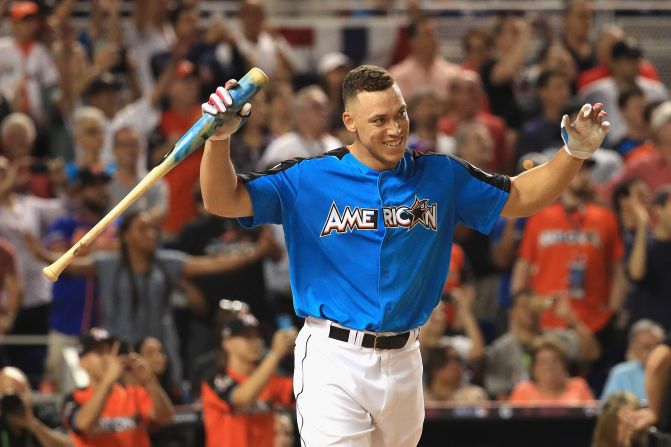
(248, 86)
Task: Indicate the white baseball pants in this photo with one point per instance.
(347, 395)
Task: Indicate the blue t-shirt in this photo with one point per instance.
(74, 307)
(367, 249)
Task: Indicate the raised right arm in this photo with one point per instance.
(224, 194)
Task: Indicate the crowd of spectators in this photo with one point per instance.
(564, 307)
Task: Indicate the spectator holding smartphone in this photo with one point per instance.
(109, 413)
(239, 400)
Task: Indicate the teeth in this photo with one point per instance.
(392, 145)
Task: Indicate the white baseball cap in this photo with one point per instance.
(331, 61)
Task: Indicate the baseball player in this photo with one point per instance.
(366, 228)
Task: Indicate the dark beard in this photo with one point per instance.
(96, 208)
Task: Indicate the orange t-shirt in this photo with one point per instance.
(122, 423)
(182, 180)
(576, 392)
(554, 240)
(246, 427)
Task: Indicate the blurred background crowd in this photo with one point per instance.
(564, 307)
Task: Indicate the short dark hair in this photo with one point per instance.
(546, 75)
(662, 195)
(365, 78)
(412, 28)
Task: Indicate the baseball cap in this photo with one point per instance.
(91, 176)
(21, 10)
(660, 116)
(93, 339)
(106, 81)
(331, 61)
(242, 324)
(627, 48)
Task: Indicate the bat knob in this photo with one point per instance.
(50, 274)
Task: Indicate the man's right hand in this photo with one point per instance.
(219, 103)
(284, 341)
(114, 366)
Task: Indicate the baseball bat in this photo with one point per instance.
(193, 139)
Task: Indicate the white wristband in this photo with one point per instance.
(577, 154)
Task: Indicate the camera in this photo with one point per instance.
(11, 404)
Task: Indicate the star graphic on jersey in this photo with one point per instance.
(417, 212)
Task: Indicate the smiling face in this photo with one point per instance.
(379, 119)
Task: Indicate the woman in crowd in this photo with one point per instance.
(136, 282)
(551, 383)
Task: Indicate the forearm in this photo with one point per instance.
(618, 288)
(472, 331)
(657, 371)
(536, 188)
(89, 413)
(637, 258)
(247, 392)
(588, 346)
(163, 410)
(503, 252)
(519, 279)
(48, 437)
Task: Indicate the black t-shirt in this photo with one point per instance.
(210, 235)
(651, 296)
(502, 100)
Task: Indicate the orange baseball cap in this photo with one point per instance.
(21, 10)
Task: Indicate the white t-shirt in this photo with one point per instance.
(264, 52)
(144, 45)
(36, 66)
(30, 215)
(292, 145)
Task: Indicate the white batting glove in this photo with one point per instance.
(584, 136)
(220, 102)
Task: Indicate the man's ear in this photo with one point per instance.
(348, 121)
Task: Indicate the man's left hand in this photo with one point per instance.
(584, 136)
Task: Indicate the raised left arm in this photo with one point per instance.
(536, 188)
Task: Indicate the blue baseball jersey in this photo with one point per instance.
(370, 250)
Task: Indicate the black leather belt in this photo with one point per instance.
(371, 341)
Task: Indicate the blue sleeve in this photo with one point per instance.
(273, 193)
(61, 230)
(611, 386)
(480, 196)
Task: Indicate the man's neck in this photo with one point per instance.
(138, 261)
(241, 367)
(572, 201)
(523, 334)
(661, 233)
(308, 132)
(88, 159)
(443, 391)
(425, 60)
(551, 113)
(126, 175)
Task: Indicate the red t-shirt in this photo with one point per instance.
(554, 240)
(122, 423)
(246, 427)
(646, 70)
(181, 180)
